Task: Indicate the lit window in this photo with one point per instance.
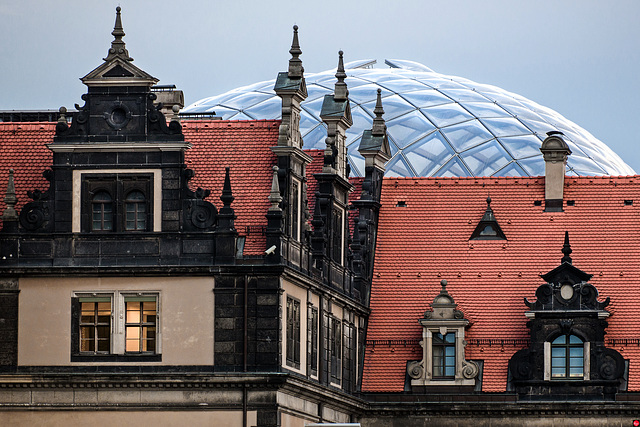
(102, 212)
(115, 326)
(567, 357)
(135, 211)
(95, 325)
(444, 355)
(293, 332)
(140, 327)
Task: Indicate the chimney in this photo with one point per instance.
(555, 151)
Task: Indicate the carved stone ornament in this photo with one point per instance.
(198, 214)
(567, 305)
(443, 319)
(35, 216)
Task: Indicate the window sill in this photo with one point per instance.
(128, 358)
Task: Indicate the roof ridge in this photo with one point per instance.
(46, 126)
(218, 123)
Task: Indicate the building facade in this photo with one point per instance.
(214, 272)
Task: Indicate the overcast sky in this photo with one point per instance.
(579, 58)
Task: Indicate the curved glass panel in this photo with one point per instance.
(465, 115)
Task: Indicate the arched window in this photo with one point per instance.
(567, 358)
(444, 355)
(135, 211)
(101, 212)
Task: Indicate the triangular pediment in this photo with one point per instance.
(566, 273)
(118, 72)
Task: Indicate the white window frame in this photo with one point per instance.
(586, 360)
(118, 313)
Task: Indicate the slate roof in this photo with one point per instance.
(428, 240)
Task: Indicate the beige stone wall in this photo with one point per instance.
(126, 417)
(185, 325)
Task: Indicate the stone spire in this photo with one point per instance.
(11, 200)
(341, 91)
(274, 196)
(295, 63)
(118, 48)
(227, 196)
(379, 125)
(566, 249)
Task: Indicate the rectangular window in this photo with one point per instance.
(444, 355)
(295, 210)
(95, 325)
(312, 338)
(115, 326)
(335, 342)
(338, 233)
(117, 202)
(293, 332)
(140, 324)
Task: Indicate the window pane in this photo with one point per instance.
(574, 340)
(560, 340)
(558, 372)
(133, 312)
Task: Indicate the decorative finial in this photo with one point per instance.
(566, 249)
(63, 115)
(117, 45)
(295, 63)
(227, 196)
(341, 91)
(274, 196)
(488, 201)
(443, 282)
(10, 200)
(379, 125)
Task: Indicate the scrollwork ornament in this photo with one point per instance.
(203, 214)
(470, 369)
(32, 217)
(544, 294)
(415, 369)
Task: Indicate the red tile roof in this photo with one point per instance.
(23, 149)
(241, 145)
(244, 147)
(428, 240)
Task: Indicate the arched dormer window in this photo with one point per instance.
(567, 358)
(135, 211)
(102, 211)
(117, 202)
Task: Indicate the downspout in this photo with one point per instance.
(244, 350)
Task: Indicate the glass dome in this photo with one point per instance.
(438, 125)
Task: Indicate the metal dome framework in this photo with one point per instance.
(438, 125)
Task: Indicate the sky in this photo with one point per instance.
(580, 58)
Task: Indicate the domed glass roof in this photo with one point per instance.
(438, 125)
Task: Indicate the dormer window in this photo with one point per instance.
(102, 212)
(567, 358)
(117, 202)
(135, 208)
(444, 355)
(443, 360)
